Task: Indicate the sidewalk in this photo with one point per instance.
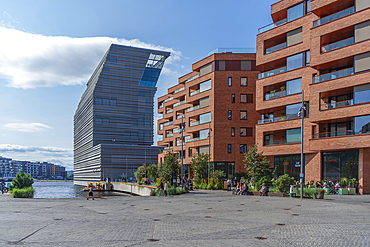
(200, 218)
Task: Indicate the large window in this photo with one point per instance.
(292, 110)
(205, 118)
(337, 165)
(205, 86)
(295, 12)
(243, 148)
(290, 165)
(362, 94)
(293, 135)
(203, 134)
(362, 124)
(243, 81)
(295, 61)
(243, 115)
(246, 98)
(294, 86)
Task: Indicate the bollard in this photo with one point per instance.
(292, 191)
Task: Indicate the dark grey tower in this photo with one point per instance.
(113, 123)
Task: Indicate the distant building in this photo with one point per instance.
(113, 123)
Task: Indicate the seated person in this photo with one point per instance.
(263, 191)
(245, 189)
(237, 189)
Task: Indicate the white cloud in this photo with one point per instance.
(27, 127)
(58, 156)
(31, 60)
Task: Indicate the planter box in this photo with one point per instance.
(343, 191)
(326, 191)
(351, 191)
(320, 195)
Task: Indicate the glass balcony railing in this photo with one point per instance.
(167, 148)
(192, 78)
(161, 106)
(271, 26)
(160, 139)
(337, 104)
(275, 95)
(275, 48)
(179, 103)
(194, 123)
(166, 100)
(233, 50)
(180, 116)
(334, 17)
(333, 75)
(179, 90)
(169, 135)
(168, 123)
(272, 72)
(160, 117)
(270, 143)
(169, 111)
(334, 134)
(338, 44)
(195, 139)
(195, 92)
(193, 108)
(277, 119)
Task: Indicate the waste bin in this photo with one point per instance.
(292, 191)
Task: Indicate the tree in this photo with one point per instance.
(21, 180)
(199, 165)
(170, 165)
(152, 172)
(258, 166)
(140, 173)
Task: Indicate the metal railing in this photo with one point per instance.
(272, 72)
(338, 44)
(179, 90)
(275, 48)
(271, 26)
(195, 139)
(337, 104)
(334, 16)
(333, 75)
(192, 108)
(169, 135)
(168, 123)
(335, 134)
(275, 95)
(277, 119)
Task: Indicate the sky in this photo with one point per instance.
(49, 49)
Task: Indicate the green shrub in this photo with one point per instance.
(219, 186)
(343, 182)
(21, 180)
(283, 183)
(263, 180)
(22, 193)
(313, 192)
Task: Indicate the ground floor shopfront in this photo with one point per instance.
(331, 165)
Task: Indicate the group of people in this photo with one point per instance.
(241, 187)
(186, 182)
(163, 187)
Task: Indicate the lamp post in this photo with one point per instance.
(182, 152)
(209, 150)
(301, 113)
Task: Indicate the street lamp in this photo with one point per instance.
(182, 152)
(209, 149)
(301, 113)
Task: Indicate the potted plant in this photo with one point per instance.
(283, 88)
(343, 190)
(321, 193)
(351, 186)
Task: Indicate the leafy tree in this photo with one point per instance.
(21, 180)
(258, 166)
(219, 175)
(283, 183)
(170, 164)
(152, 172)
(140, 173)
(199, 165)
(239, 175)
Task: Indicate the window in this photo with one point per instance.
(243, 148)
(362, 94)
(205, 118)
(293, 135)
(308, 6)
(295, 12)
(229, 115)
(295, 61)
(105, 101)
(203, 134)
(243, 81)
(291, 111)
(229, 148)
(246, 131)
(98, 101)
(362, 124)
(294, 86)
(190, 152)
(233, 98)
(246, 98)
(307, 58)
(205, 86)
(160, 126)
(243, 115)
(232, 131)
(230, 81)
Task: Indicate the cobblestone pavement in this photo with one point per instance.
(201, 218)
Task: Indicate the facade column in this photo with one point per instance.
(364, 170)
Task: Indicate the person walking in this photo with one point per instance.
(165, 189)
(91, 194)
(160, 188)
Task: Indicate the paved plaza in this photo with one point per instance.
(201, 218)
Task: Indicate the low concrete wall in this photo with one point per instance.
(140, 190)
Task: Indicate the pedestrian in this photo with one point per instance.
(263, 191)
(145, 181)
(160, 188)
(91, 194)
(165, 189)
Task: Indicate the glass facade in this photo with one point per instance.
(294, 86)
(292, 110)
(295, 61)
(203, 134)
(290, 165)
(295, 12)
(337, 165)
(205, 118)
(205, 86)
(227, 167)
(362, 124)
(152, 70)
(293, 135)
(362, 96)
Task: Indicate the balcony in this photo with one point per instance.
(160, 117)
(160, 106)
(160, 139)
(195, 92)
(277, 119)
(180, 116)
(169, 111)
(270, 143)
(192, 78)
(169, 135)
(196, 139)
(167, 148)
(168, 123)
(335, 134)
(337, 104)
(179, 90)
(194, 123)
(334, 16)
(333, 75)
(272, 72)
(179, 103)
(275, 48)
(275, 95)
(192, 108)
(338, 44)
(166, 100)
(271, 26)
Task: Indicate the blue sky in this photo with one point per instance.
(48, 50)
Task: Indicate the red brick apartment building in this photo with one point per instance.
(323, 48)
(219, 94)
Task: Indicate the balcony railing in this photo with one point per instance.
(180, 116)
(192, 108)
(277, 119)
(334, 16)
(337, 104)
(168, 123)
(176, 130)
(195, 139)
(160, 117)
(169, 135)
(333, 75)
(160, 139)
(275, 95)
(338, 133)
(166, 100)
(232, 50)
(169, 111)
(194, 123)
(275, 48)
(167, 148)
(271, 26)
(270, 143)
(192, 78)
(179, 103)
(161, 106)
(195, 92)
(179, 90)
(338, 44)
(272, 72)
